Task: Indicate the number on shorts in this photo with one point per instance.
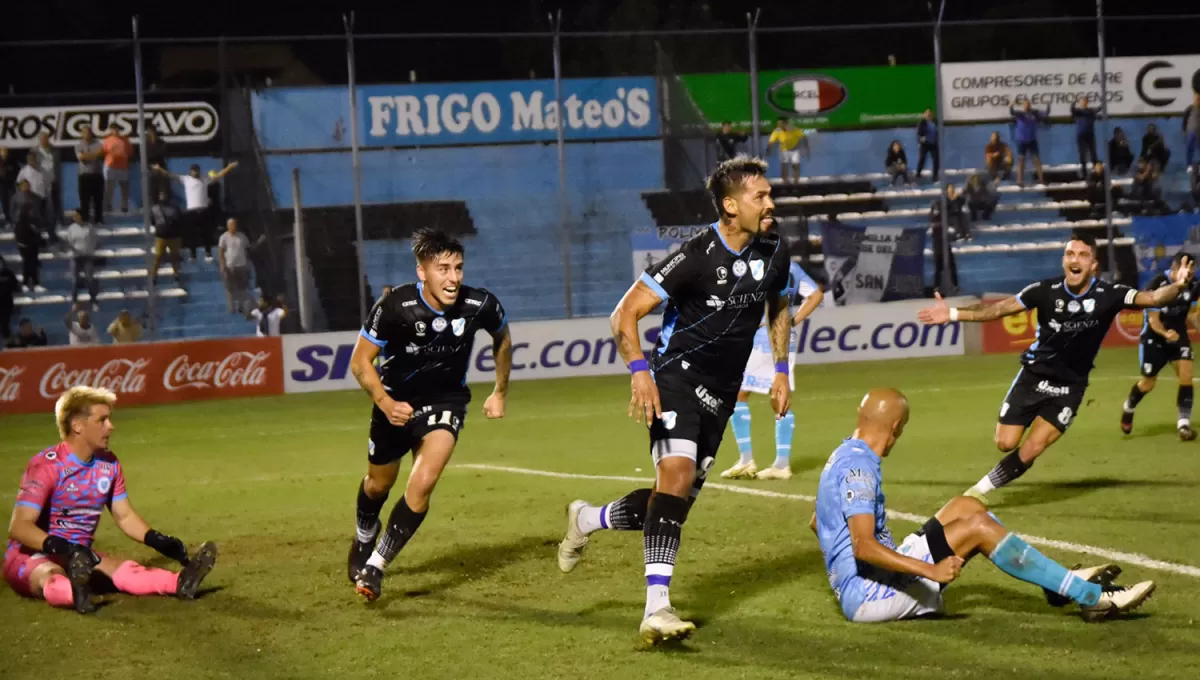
(448, 418)
(1065, 416)
(1185, 353)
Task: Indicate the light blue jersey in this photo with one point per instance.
(851, 484)
(800, 286)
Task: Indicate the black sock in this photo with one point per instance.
(367, 514)
(1008, 469)
(664, 526)
(628, 513)
(1184, 401)
(401, 526)
(1135, 396)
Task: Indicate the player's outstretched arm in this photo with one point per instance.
(362, 365)
(1166, 294)
(132, 525)
(871, 551)
(637, 302)
(941, 312)
(502, 351)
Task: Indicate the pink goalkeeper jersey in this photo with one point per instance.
(70, 494)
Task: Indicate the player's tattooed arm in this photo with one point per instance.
(637, 302)
(502, 350)
(779, 322)
(941, 313)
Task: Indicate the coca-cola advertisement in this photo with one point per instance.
(149, 373)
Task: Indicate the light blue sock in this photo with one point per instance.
(783, 440)
(741, 431)
(1020, 560)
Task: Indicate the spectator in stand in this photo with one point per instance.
(927, 138)
(1095, 189)
(791, 141)
(80, 330)
(156, 154)
(27, 336)
(1120, 157)
(48, 161)
(167, 220)
(8, 182)
(82, 241)
(1146, 189)
(997, 158)
(1085, 134)
(896, 163)
(32, 173)
(1191, 128)
(8, 290)
(1154, 148)
(268, 316)
(90, 154)
(198, 215)
(234, 250)
(117, 152)
(1027, 120)
(939, 242)
(28, 236)
(981, 200)
(728, 141)
(125, 329)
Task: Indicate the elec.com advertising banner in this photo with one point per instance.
(573, 348)
(1137, 86)
(457, 113)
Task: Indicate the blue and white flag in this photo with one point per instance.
(873, 264)
(1157, 239)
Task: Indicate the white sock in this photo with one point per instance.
(1183, 422)
(984, 486)
(377, 561)
(657, 597)
(589, 519)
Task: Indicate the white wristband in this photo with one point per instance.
(954, 313)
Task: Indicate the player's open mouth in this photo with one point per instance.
(451, 292)
(1075, 270)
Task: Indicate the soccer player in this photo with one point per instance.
(424, 332)
(760, 375)
(1165, 339)
(1074, 312)
(876, 581)
(63, 493)
(716, 286)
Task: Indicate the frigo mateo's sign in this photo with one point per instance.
(175, 122)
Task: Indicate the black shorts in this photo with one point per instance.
(1154, 354)
(389, 443)
(1031, 396)
(1027, 147)
(692, 425)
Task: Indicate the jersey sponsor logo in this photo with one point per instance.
(439, 324)
(739, 269)
(10, 387)
(714, 302)
(1046, 387)
(686, 364)
(669, 266)
(407, 303)
(707, 400)
(757, 269)
(458, 326)
(1072, 326)
(123, 376)
(474, 303)
(238, 369)
(711, 244)
(51, 455)
(419, 327)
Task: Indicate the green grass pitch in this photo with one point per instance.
(477, 593)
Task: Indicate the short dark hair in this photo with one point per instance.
(1085, 239)
(428, 243)
(1179, 255)
(195, 167)
(731, 175)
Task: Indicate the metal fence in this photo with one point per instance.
(228, 72)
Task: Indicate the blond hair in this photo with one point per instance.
(78, 401)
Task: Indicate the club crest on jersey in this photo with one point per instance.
(722, 274)
(420, 326)
(757, 269)
(458, 326)
(1073, 306)
(439, 325)
(1089, 306)
(739, 269)
(104, 484)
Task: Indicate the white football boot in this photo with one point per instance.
(570, 551)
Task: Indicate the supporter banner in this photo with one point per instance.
(1016, 333)
(1157, 239)
(1137, 86)
(873, 264)
(825, 99)
(175, 122)
(31, 380)
(457, 113)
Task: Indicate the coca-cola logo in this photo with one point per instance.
(239, 369)
(123, 376)
(10, 387)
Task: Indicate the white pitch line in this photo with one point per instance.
(1105, 553)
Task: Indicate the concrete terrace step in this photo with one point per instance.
(105, 296)
(101, 232)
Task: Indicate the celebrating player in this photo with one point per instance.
(424, 332)
(760, 375)
(1074, 313)
(1165, 339)
(716, 285)
(63, 492)
(875, 581)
